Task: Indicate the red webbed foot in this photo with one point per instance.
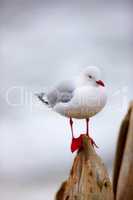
(77, 143)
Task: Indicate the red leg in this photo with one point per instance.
(87, 133)
(76, 142)
(71, 124)
(87, 126)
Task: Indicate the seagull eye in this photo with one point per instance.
(90, 76)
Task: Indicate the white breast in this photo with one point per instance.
(87, 101)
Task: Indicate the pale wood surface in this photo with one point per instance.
(88, 179)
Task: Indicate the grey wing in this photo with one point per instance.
(62, 93)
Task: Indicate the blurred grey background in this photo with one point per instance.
(41, 43)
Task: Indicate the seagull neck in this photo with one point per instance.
(87, 84)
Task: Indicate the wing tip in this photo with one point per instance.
(41, 96)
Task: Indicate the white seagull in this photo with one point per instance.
(81, 98)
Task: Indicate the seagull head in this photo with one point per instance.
(92, 76)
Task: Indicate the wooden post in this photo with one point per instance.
(123, 168)
(88, 179)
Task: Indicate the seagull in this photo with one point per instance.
(81, 98)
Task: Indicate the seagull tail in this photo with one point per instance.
(43, 98)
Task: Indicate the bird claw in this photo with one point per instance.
(77, 143)
(93, 142)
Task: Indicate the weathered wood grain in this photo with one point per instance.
(88, 179)
(123, 168)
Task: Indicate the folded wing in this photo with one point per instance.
(62, 93)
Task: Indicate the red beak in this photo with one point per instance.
(100, 82)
